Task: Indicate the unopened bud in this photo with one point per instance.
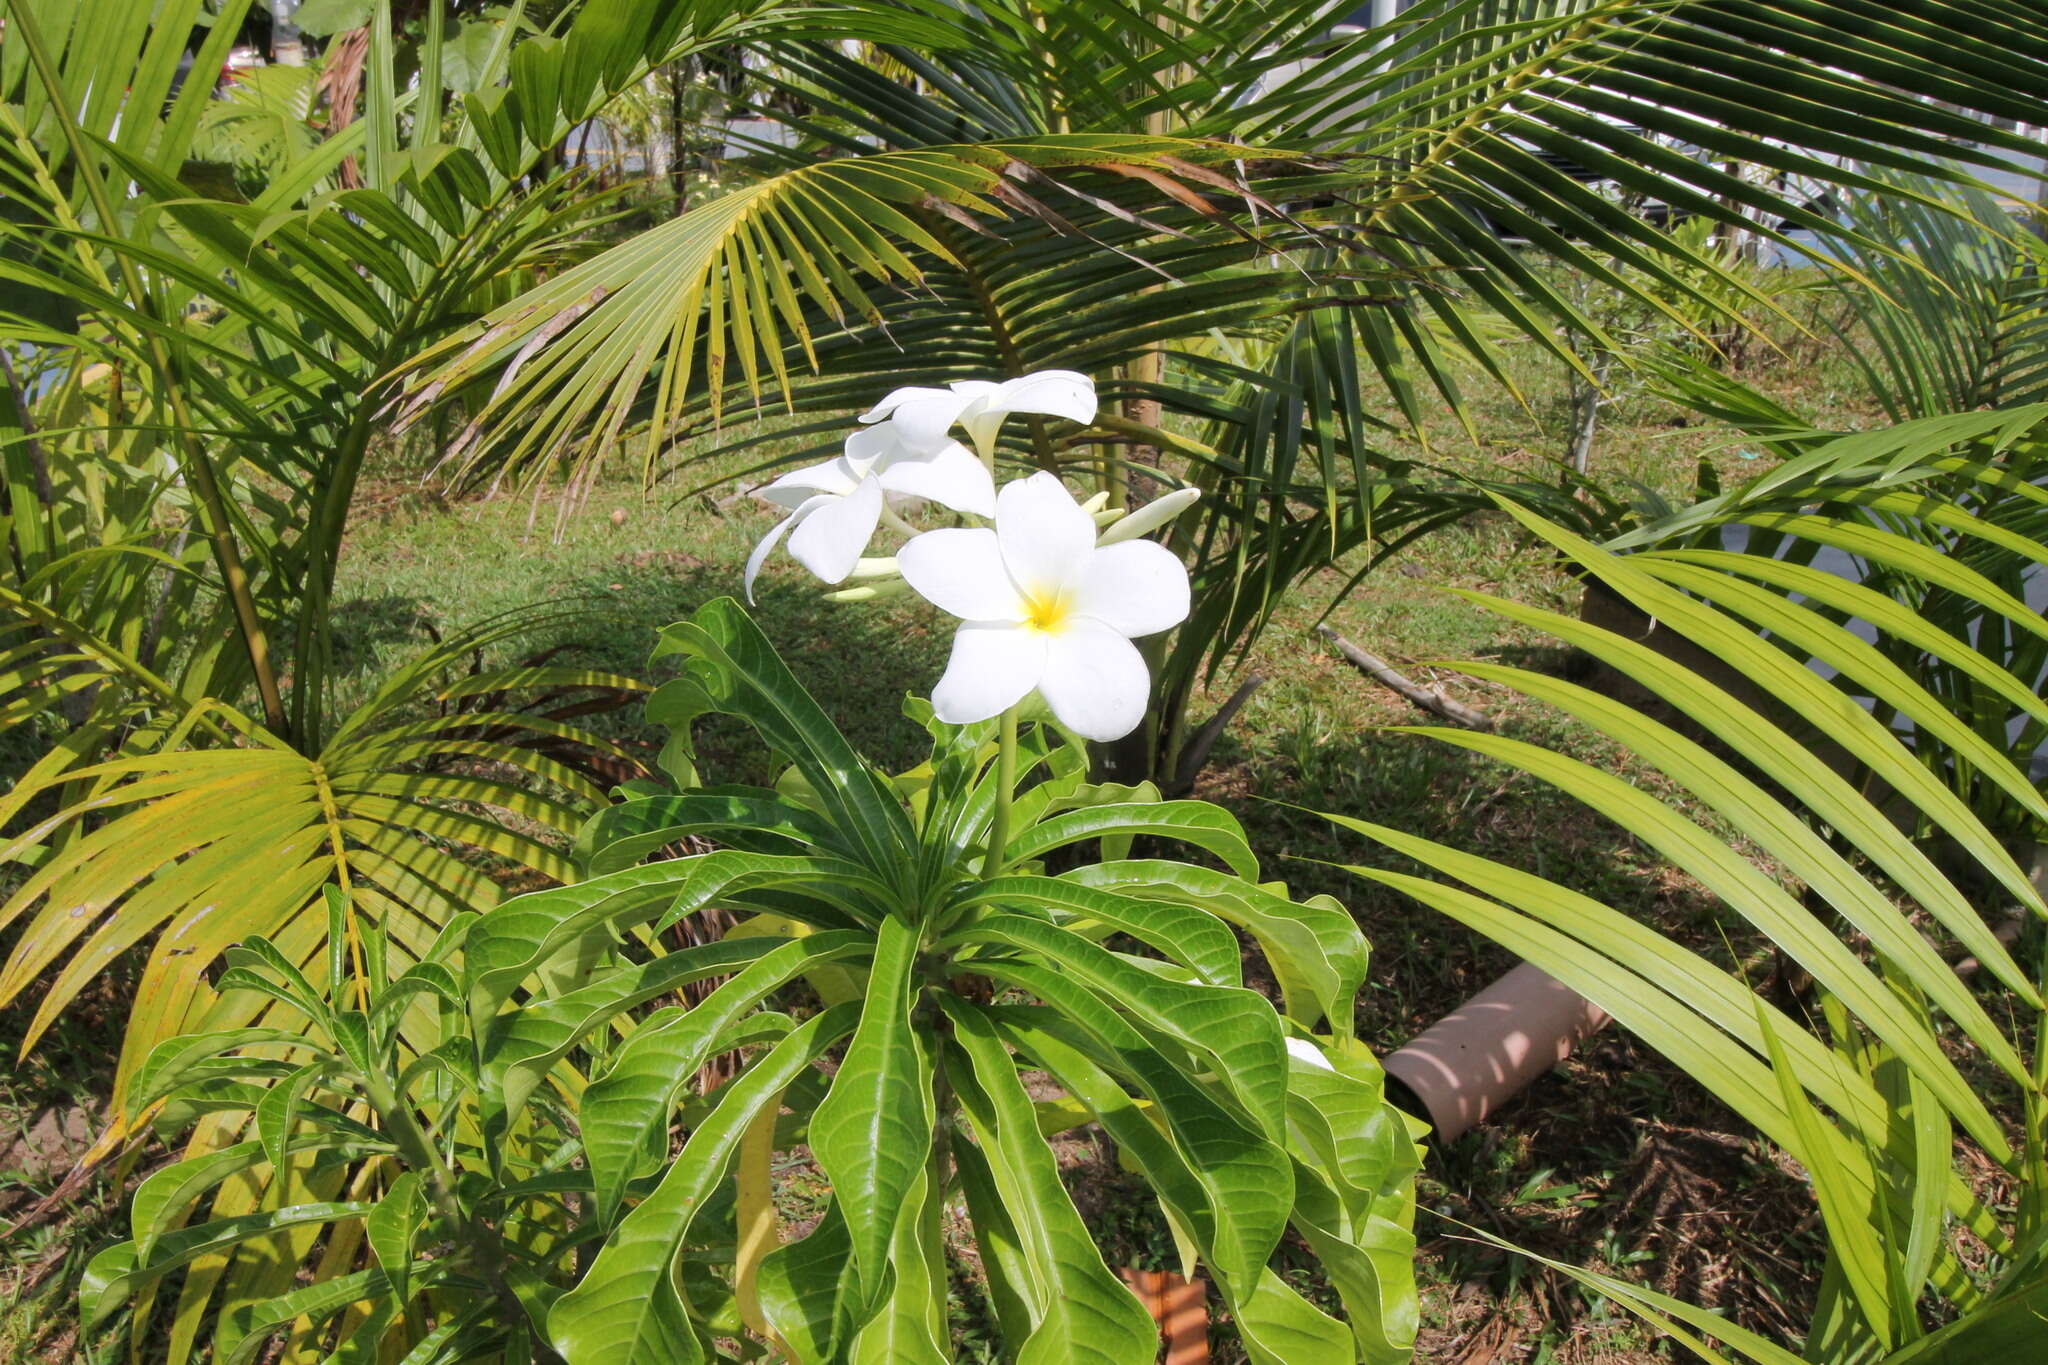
(869, 592)
(1151, 516)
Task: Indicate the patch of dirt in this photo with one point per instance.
(48, 1145)
(382, 499)
(1614, 1162)
(677, 560)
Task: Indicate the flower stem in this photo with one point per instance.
(1006, 782)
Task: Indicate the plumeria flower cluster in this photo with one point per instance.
(1049, 601)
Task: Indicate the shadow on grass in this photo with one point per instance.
(366, 629)
(858, 661)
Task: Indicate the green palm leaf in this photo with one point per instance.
(1838, 1105)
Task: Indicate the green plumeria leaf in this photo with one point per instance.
(911, 1327)
(1193, 822)
(523, 1045)
(808, 1289)
(516, 939)
(118, 1271)
(1314, 946)
(278, 1110)
(619, 836)
(391, 1228)
(1245, 1178)
(627, 1311)
(191, 1057)
(1234, 1028)
(873, 1132)
(1080, 1311)
(164, 1196)
(1193, 937)
(624, 1114)
(741, 674)
(247, 1328)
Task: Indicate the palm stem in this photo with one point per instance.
(2034, 1171)
(323, 559)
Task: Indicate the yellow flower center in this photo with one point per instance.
(1045, 612)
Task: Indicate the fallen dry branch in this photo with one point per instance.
(1431, 699)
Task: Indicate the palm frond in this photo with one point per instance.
(1854, 810)
(1949, 311)
(428, 799)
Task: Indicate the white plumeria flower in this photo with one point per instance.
(1042, 607)
(835, 506)
(924, 417)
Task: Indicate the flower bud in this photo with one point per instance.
(1152, 515)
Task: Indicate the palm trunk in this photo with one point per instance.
(1588, 397)
(1134, 489)
(678, 177)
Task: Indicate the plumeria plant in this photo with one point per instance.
(928, 977)
(1001, 953)
(997, 960)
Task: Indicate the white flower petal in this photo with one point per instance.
(1136, 588)
(1046, 537)
(1095, 681)
(981, 416)
(961, 571)
(952, 478)
(925, 424)
(1055, 393)
(982, 429)
(896, 398)
(875, 446)
(993, 667)
(834, 476)
(829, 540)
(775, 534)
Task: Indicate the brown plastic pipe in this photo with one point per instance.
(1494, 1046)
(1490, 1049)
(1180, 1307)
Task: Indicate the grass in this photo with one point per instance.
(1615, 1160)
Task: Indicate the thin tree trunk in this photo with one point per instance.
(1588, 399)
(287, 48)
(1139, 489)
(76, 706)
(678, 177)
(32, 445)
(660, 149)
